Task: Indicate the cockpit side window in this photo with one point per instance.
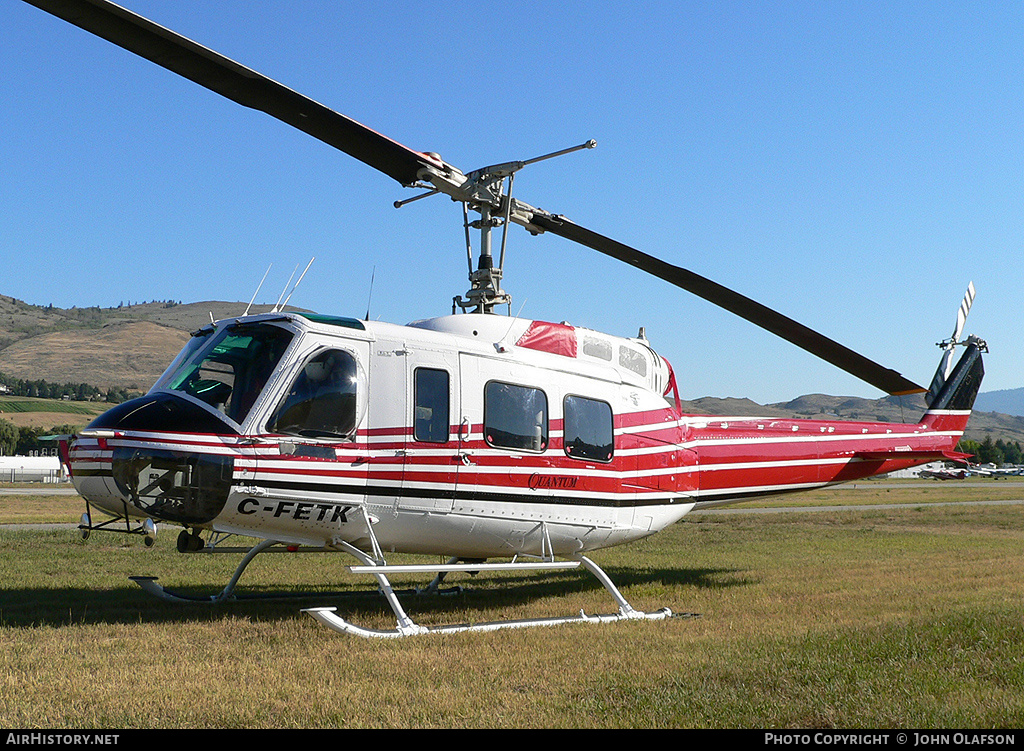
(231, 368)
(321, 401)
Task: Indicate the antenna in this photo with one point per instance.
(277, 305)
(513, 323)
(257, 290)
(299, 281)
(369, 297)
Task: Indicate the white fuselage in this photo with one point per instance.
(474, 436)
(473, 489)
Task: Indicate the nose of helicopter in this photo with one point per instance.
(157, 456)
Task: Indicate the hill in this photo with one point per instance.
(1007, 401)
(130, 345)
(124, 347)
(887, 409)
(129, 355)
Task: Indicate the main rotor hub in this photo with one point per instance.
(487, 191)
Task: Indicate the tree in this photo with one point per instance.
(1010, 450)
(967, 446)
(8, 437)
(989, 453)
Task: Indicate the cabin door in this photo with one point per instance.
(431, 441)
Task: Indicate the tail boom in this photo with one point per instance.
(743, 458)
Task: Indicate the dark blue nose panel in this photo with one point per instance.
(162, 412)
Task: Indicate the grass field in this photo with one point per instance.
(28, 412)
(26, 404)
(875, 617)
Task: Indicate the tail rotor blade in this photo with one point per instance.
(961, 315)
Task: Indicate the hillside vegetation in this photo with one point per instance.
(124, 347)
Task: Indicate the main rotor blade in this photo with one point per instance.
(240, 84)
(883, 378)
(251, 89)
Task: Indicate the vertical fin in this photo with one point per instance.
(942, 373)
(960, 389)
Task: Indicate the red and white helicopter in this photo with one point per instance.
(499, 442)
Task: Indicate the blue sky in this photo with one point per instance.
(853, 165)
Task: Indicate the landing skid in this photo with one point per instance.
(146, 528)
(150, 586)
(406, 626)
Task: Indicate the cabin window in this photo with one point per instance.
(515, 417)
(588, 429)
(597, 348)
(431, 405)
(633, 360)
(321, 402)
(229, 370)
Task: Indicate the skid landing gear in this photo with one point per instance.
(406, 626)
(145, 528)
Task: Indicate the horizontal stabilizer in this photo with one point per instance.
(938, 455)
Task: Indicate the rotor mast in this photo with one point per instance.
(487, 191)
(485, 291)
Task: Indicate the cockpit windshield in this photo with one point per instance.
(229, 369)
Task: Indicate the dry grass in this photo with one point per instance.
(907, 617)
(43, 505)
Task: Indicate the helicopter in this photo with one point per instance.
(494, 442)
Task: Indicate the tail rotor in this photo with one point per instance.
(946, 362)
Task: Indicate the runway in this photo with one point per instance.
(854, 507)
